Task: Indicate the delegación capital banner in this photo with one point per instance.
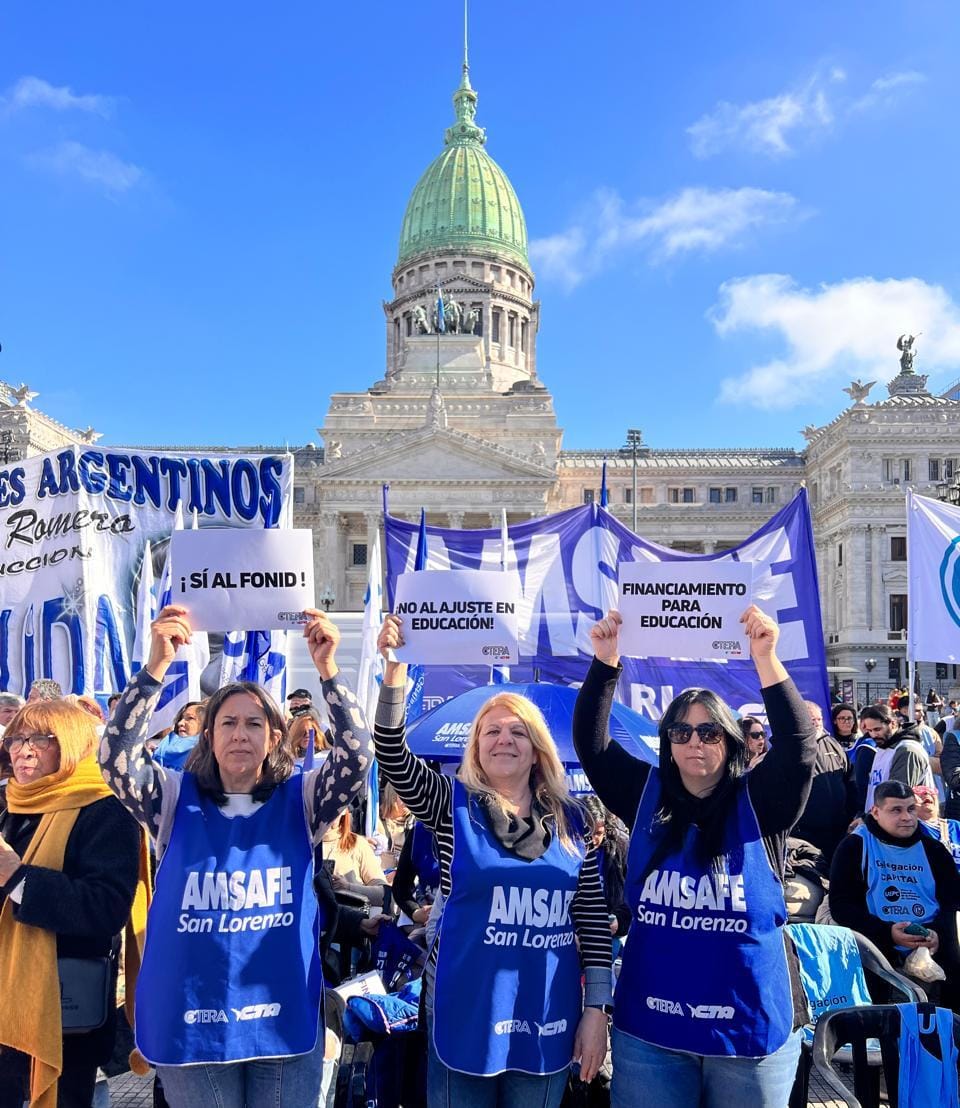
(567, 564)
(73, 529)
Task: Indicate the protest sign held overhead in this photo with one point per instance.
(684, 609)
(458, 617)
(230, 580)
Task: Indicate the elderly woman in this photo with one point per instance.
(69, 865)
(523, 906)
(709, 1004)
(173, 751)
(229, 996)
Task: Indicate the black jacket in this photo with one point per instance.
(88, 903)
(832, 803)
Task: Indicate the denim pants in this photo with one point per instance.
(645, 1074)
(268, 1083)
(447, 1088)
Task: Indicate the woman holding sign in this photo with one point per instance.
(503, 994)
(709, 1001)
(228, 1000)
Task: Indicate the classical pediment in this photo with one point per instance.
(432, 454)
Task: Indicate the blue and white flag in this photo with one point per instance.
(258, 656)
(146, 611)
(181, 683)
(567, 565)
(417, 674)
(933, 568)
(441, 323)
(370, 672)
(500, 675)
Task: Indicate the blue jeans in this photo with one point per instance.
(645, 1074)
(447, 1088)
(269, 1083)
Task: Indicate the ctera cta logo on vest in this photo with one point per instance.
(256, 1011)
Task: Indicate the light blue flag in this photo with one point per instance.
(441, 323)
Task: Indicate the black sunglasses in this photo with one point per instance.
(709, 733)
(756, 734)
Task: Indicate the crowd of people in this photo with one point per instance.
(633, 941)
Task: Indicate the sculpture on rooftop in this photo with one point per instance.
(905, 346)
(858, 391)
(420, 322)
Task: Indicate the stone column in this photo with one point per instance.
(709, 546)
(330, 570)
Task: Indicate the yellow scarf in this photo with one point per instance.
(28, 955)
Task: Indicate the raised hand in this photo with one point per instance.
(763, 633)
(323, 638)
(605, 637)
(390, 637)
(168, 632)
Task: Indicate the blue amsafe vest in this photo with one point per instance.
(423, 855)
(507, 993)
(231, 970)
(900, 884)
(704, 966)
(946, 831)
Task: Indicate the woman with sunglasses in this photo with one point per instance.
(946, 831)
(755, 736)
(709, 1003)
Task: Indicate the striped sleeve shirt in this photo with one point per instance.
(429, 796)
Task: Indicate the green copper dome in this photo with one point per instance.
(464, 200)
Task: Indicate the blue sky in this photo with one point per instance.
(734, 208)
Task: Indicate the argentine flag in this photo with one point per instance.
(146, 611)
(370, 673)
(441, 323)
(258, 656)
(181, 684)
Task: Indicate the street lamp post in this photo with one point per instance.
(327, 598)
(634, 441)
(870, 665)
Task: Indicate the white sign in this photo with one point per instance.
(684, 609)
(232, 580)
(458, 617)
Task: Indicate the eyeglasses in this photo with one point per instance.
(710, 733)
(756, 734)
(13, 744)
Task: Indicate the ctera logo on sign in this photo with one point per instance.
(950, 579)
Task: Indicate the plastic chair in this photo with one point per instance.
(853, 1027)
(878, 973)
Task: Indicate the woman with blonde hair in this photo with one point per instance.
(521, 890)
(308, 739)
(70, 868)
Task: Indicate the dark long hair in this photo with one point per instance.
(278, 764)
(679, 809)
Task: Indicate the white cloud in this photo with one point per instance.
(777, 125)
(97, 167)
(32, 92)
(887, 91)
(694, 219)
(833, 333)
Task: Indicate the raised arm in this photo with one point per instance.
(424, 791)
(344, 772)
(617, 777)
(127, 767)
(780, 784)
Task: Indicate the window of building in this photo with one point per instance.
(299, 494)
(494, 273)
(511, 330)
(495, 326)
(933, 469)
(646, 496)
(729, 496)
(839, 553)
(948, 468)
(756, 495)
(588, 496)
(359, 556)
(409, 323)
(898, 548)
(905, 469)
(523, 335)
(716, 495)
(628, 495)
(673, 496)
(898, 611)
(771, 494)
(689, 496)
(891, 470)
